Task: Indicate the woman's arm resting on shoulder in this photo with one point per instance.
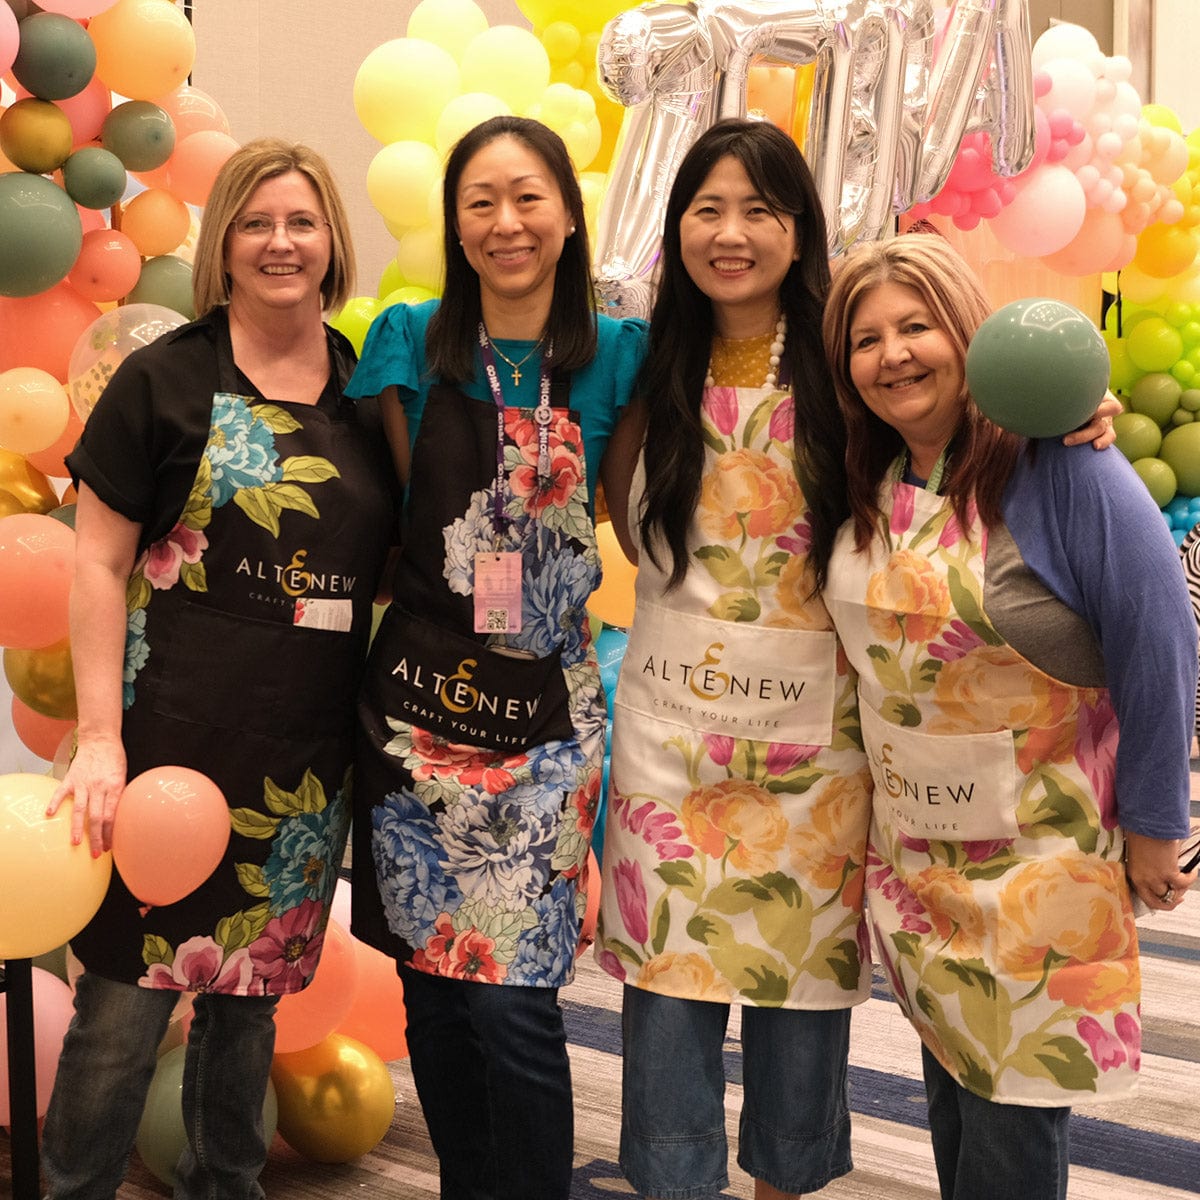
(616, 472)
(105, 549)
(1099, 430)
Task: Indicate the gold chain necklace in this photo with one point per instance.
(516, 366)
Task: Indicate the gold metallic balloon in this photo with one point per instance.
(43, 679)
(32, 489)
(10, 506)
(336, 1099)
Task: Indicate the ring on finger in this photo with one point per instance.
(1168, 895)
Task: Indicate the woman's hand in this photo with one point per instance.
(94, 781)
(1152, 865)
(1099, 430)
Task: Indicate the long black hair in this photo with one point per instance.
(681, 332)
(450, 339)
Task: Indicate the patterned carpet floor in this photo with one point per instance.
(1148, 1149)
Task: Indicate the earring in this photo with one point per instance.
(571, 231)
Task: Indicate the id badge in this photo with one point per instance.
(498, 592)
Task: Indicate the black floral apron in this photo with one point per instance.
(247, 630)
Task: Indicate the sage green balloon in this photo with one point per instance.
(56, 58)
(165, 280)
(94, 177)
(140, 134)
(1037, 367)
(40, 234)
(1181, 452)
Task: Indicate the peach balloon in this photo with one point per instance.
(38, 733)
(108, 265)
(612, 601)
(53, 1007)
(36, 558)
(76, 8)
(305, 1018)
(51, 460)
(32, 412)
(170, 833)
(156, 221)
(192, 110)
(196, 161)
(376, 1017)
(41, 330)
(587, 931)
(49, 889)
(144, 48)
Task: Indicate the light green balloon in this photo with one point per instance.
(1181, 452)
(94, 178)
(1138, 436)
(56, 59)
(140, 134)
(1159, 479)
(40, 234)
(1156, 395)
(165, 280)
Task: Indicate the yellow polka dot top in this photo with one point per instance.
(741, 362)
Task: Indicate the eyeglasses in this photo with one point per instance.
(299, 225)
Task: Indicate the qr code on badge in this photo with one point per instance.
(497, 620)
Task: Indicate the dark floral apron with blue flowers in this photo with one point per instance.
(480, 754)
(247, 631)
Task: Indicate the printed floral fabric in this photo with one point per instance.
(733, 867)
(479, 853)
(267, 906)
(1014, 958)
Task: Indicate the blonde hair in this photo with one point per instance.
(255, 162)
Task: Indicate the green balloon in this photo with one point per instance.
(1037, 367)
(40, 234)
(140, 134)
(56, 58)
(165, 280)
(1138, 436)
(94, 178)
(1159, 479)
(1157, 395)
(1181, 452)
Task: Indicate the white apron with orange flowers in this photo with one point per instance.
(739, 794)
(995, 885)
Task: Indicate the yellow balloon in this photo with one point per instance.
(1162, 117)
(399, 179)
(410, 293)
(35, 135)
(451, 24)
(389, 279)
(144, 48)
(402, 87)
(49, 889)
(510, 63)
(419, 257)
(612, 601)
(463, 113)
(355, 317)
(26, 483)
(588, 18)
(336, 1099)
(43, 678)
(562, 41)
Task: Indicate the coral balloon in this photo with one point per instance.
(33, 409)
(196, 161)
(169, 834)
(40, 330)
(376, 1018)
(510, 63)
(39, 734)
(1037, 367)
(40, 231)
(49, 889)
(36, 559)
(399, 180)
(451, 24)
(402, 87)
(35, 135)
(156, 221)
(192, 111)
(86, 112)
(108, 265)
(305, 1018)
(336, 1099)
(76, 8)
(56, 59)
(10, 38)
(161, 1134)
(144, 48)
(43, 678)
(587, 931)
(53, 1007)
(107, 342)
(612, 601)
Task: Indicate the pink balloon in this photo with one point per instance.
(52, 1009)
(1045, 214)
(196, 161)
(169, 834)
(107, 267)
(305, 1018)
(36, 557)
(76, 8)
(10, 38)
(1097, 243)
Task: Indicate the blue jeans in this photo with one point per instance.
(108, 1060)
(492, 1074)
(795, 1126)
(1002, 1151)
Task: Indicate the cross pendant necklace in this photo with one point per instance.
(516, 366)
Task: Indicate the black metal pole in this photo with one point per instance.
(22, 1078)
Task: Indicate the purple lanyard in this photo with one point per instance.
(542, 416)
